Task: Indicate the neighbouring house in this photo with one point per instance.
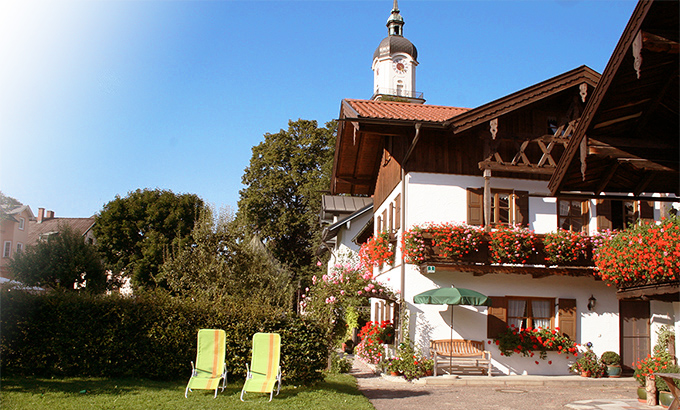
(47, 224)
(14, 233)
(344, 218)
(518, 161)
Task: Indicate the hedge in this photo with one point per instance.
(151, 336)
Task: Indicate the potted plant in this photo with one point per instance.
(427, 367)
(613, 362)
(588, 365)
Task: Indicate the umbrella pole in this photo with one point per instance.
(451, 358)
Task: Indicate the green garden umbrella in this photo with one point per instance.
(452, 296)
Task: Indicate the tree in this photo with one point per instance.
(134, 233)
(63, 261)
(219, 264)
(281, 201)
(8, 201)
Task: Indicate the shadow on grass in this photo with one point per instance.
(83, 385)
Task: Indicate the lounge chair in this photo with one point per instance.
(210, 365)
(264, 370)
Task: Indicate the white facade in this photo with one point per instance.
(443, 198)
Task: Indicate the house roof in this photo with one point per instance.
(364, 124)
(81, 225)
(8, 212)
(393, 110)
(522, 98)
(627, 140)
(344, 204)
(332, 230)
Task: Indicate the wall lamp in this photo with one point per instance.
(591, 303)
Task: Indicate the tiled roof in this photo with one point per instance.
(80, 225)
(393, 110)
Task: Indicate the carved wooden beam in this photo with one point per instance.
(606, 178)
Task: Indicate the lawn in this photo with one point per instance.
(336, 392)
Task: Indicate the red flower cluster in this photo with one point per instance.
(511, 244)
(529, 341)
(373, 335)
(564, 247)
(377, 251)
(654, 364)
(642, 254)
(413, 245)
(455, 241)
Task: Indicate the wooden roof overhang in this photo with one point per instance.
(537, 156)
(359, 147)
(627, 140)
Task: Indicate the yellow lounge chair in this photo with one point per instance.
(210, 365)
(264, 370)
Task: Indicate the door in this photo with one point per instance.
(634, 317)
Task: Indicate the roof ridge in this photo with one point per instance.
(406, 103)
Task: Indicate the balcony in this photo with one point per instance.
(388, 94)
(481, 262)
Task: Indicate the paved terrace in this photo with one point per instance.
(497, 392)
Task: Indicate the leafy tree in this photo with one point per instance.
(219, 264)
(63, 261)
(8, 201)
(134, 233)
(281, 201)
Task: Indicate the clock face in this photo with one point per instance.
(400, 66)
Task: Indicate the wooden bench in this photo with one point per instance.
(460, 355)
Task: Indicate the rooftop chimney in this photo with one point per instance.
(41, 214)
(49, 215)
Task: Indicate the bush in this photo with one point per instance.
(610, 358)
(151, 336)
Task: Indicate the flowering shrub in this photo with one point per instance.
(511, 244)
(528, 342)
(455, 241)
(373, 335)
(413, 245)
(659, 363)
(332, 295)
(377, 251)
(564, 247)
(644, 253)
(408, 362)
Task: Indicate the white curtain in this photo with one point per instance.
(541, 313)
(516, 313)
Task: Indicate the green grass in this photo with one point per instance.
(336, 392)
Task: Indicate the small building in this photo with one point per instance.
(14, 233)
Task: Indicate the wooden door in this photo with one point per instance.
(634, 316)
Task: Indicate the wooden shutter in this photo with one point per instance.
(475, 212)
(390, 224)
(522, 208)
(646, 210)
(567, 317)
(397, 212)
(604, 214)
(497, 316)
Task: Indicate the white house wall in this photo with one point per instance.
(443, 198)
(343, 241)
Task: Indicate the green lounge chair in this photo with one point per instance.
(264, 368)
(210, 365)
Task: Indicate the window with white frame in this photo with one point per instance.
(20, 247)
(530, 313)
(22, 223)
(7, 249)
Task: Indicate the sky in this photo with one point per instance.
(100, 98)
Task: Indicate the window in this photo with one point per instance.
(20, 247)
(531, 312)
(22, 223)
(507, 207)
(7, 250)
(616, 214)
(572, 215)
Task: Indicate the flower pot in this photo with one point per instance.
(642, 395)
(586, 374)
(429, 373)
(394, 373)
(614, 370)
(665, 398)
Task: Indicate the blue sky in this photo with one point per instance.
(99, 98)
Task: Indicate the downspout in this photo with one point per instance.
(403, 223)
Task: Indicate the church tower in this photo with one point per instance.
(394, 64)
